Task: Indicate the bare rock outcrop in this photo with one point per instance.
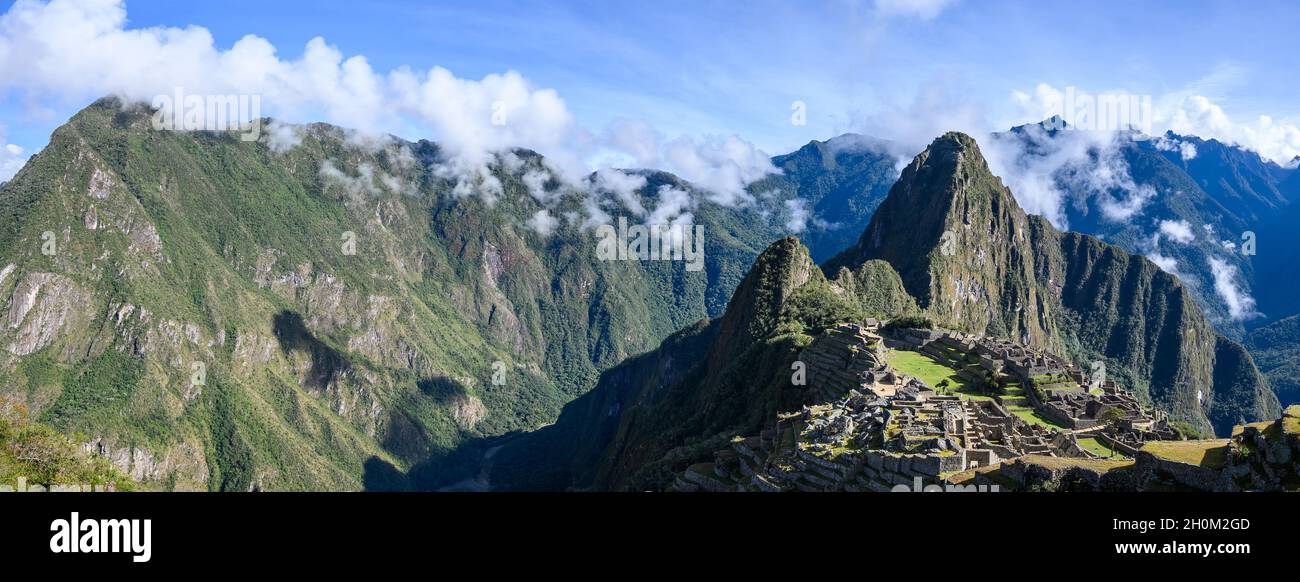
(41, 306)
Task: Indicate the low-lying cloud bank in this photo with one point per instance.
(72, 51)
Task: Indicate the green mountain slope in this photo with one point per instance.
(839, 182)
(1276, 348)
(219, 314)
(1123, 192)
(704, 385)
(35, 456)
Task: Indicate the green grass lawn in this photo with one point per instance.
(1098, 465)
(1013, 390)
(1291, 419)
(1026, 413)
(932, 372)
(1097, 447)
(1032, 416)
(1208, 453)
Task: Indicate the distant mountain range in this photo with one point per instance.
(216, 314)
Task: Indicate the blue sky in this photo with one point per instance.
(890, 68)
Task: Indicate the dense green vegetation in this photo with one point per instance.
(39, 455)
(689, 397)
(451, 321)
(878, 291)
(841, 181)
(1276, 349)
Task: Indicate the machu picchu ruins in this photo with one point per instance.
(1006, 418)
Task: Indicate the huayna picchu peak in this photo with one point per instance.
(960, 243)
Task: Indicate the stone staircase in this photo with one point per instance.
(971, 438)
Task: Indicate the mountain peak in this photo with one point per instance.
(956, 138)
(951, 167)
(752, 312)
(1051, 125)
(854, 142)
(959, 242)
(955, 150)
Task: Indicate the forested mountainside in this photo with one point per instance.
(225, 314)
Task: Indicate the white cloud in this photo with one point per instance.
(369, 182)
(281, 137)
(535, 181)
(543, 223)
(1093, 160)
(1185, 113)
(1197, 115)
(80, 49)
(723, 166)
(1166, 264)
(1150, 247)
(923, 9)
(474, 120)
(11, 159)
(1178, 231)
(1241, 305)
(1048, 172)
(77, 50)
(1123, 208)
(1084, 165)
(672, 209)
(799, 215)
(358, 187)
(623, 186)
(672, 206)
(1185, 149)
